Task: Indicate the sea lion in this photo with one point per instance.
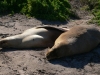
(42, 36)
(79, 39)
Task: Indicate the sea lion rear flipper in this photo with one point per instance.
(52, 27)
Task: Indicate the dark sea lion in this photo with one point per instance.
(42, 36)
(79, 39)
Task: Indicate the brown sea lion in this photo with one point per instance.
(79, 39)
(42, 36)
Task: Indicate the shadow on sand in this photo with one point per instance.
(14, 49)
(79, 61)
(76, 61)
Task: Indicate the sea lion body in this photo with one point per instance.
(43, 36)
(79, 39)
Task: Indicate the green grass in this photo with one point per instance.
(96, 12)
(42, 9)
(94, 7)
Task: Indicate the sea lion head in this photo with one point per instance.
(7, 43)
(2, 42)
(10, 42)
(56, 51)
(51, 54)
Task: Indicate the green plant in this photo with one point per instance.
(94, 7)
(96, 12)
(47, 9)
(3, 5)
(44, 9)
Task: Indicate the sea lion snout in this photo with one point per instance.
(52, 53)
(10, 42)
(3, 43)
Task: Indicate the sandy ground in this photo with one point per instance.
(33, 62)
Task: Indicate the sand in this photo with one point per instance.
(33, 61)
